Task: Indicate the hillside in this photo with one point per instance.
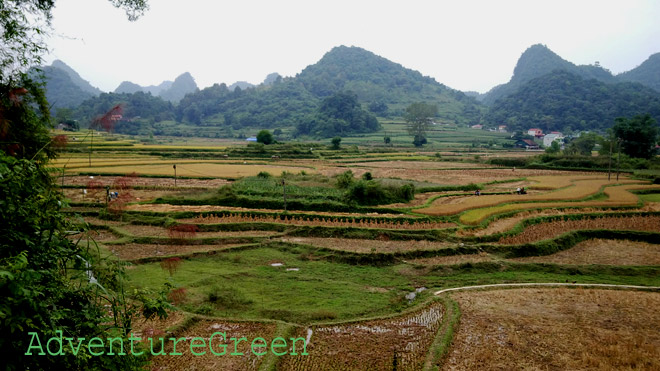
(564, 101)
(383, 86)
(76, 78)
(648, 73)
(376, 79)
(171, 91)
(61, 91)
(537, 61)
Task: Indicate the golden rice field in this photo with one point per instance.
(543, 231)
(196, 169)
(557, 329)
(579, 188)
(617, 196)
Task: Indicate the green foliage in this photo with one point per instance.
(345, 179)
(339, 114)
(371, 192)
(335, 142)
(554, 147)
(151, 111)
(265, 137)
(638, 135)
(563, 101)
(582, 145)
(419, 117)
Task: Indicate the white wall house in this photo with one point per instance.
(549, 138)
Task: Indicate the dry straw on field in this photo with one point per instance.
(558, 329)
(371, 345)
(542, 231)
(598, 251)
(323, 221)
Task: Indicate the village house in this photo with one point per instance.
(549, 138)
(538, 133)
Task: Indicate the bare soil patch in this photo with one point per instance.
(559, 329)
(367, 246)
(598, 251)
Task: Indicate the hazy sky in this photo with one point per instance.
(466, 45)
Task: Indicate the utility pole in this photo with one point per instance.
(91, 146)
(618, 160)
(174, 166)
(609, 164)
(284, 190)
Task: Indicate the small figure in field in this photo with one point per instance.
(477, 193)
(518, 190)
(514, 169)
(522, 191)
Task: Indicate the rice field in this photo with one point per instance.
(380, 223)
(197, 169)
(617, 196)
(599, 251)
(580, 188)
(561, 328)
(366, 246)
(403, 341)
(542, 231)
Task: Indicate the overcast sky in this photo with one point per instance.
(466, 45)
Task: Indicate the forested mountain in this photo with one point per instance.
(537, 61)
(75, 78)
(377, 83)
(64, 86)
(376, 79)
(648, 73)
(171, 91)
(61, 91)
(564, 101)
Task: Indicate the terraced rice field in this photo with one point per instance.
(344, 346)
(367, 246)
(580, 188)
(542, 231)
(562, 329)
(617, 196)
(598, 251)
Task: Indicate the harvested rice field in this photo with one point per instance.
(133, 251)
(366, 246)
(599, 251)
(542, 231)
(559, 328)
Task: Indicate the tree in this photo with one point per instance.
(335, 142)
(49, 284)
(387, 140)
(265, 137)
(554, 147)
(582, 145)
(419, 117)
(638, 135)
